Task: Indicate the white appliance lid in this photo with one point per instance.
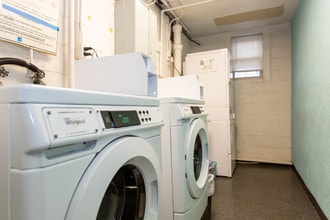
(181, 100)
(31, 93)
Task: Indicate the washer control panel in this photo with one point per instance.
(66, 122)
(188, 110)
(115, 118)
(145, 116)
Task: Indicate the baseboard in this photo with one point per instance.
(310, 196)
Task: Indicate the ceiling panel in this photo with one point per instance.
(201, 19)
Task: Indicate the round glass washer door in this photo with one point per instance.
(120, 183)
(125, 197)
(197, 157)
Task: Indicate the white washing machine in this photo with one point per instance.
(185, 158)
(72, 154)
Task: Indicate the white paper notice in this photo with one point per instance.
(207, 64)
(30, 23)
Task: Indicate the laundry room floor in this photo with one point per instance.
(261, 191)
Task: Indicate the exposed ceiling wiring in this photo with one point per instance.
(163, 5)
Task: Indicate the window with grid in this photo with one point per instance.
(247, 56)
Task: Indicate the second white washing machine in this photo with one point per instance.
(74, 154)
(184, 158)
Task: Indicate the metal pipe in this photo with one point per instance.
(162, 27)
(71, 43)
(177, 50)
(78, 30)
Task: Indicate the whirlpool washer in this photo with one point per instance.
(74, 154)
(185, 158)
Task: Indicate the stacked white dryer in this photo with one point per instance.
(213, 69)
(184, 154)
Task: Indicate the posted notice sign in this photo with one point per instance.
(30, 23)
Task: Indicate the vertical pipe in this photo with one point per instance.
(78, 33)
(161, 74)
(177, 50)
(162, 27)
(30, 60)
(71, 42)
(31, 55)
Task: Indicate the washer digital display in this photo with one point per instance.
(195, 109)
(118, 119)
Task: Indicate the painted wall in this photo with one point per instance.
(97, 32)
(263, 106)
(311, 97)
(97, 26)
(54, 66)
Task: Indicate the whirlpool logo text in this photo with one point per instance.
(74, 122)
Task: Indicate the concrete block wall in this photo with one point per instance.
(97, 30)
(263, 108)
(97, 20)
(53, 65)
(263, 112)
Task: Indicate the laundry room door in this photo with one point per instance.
(197, 157)
(122, 182)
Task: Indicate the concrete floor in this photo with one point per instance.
(261, 191)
